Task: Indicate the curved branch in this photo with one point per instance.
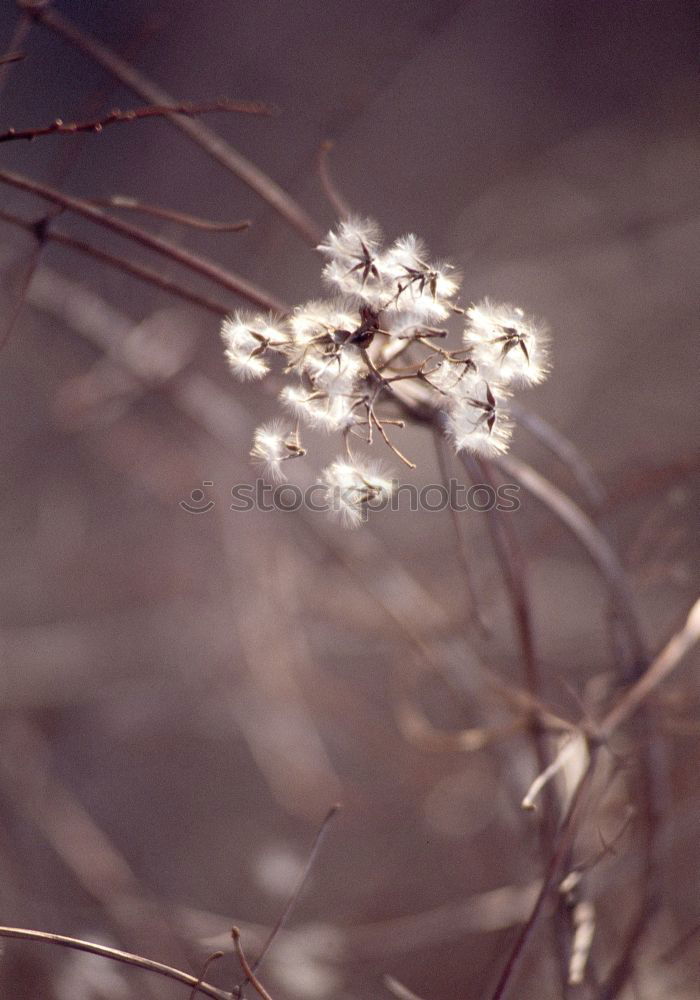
(565, 450)
(592, 539)
(138, 961)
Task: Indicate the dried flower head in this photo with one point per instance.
(247, 338)
(356, 362)
(352, 486)
(273, 444)
(478, 419)
(506, 344)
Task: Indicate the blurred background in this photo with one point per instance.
(184, 696)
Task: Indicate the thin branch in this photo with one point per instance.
(171, 215)
(667, 660)
(417, 730)
(207, 140)
(570, 514)
(583, 919)
(201, 265)
(379, 424)
(622, 969)
(78, 841)
(574, 746)
(509, 556)
(400, 991)
(205, 968)
(607, 562)
(19, 37)
(565, 450)
(335, 198)
(676, 950)
(291, 902)
(138, 961)
(121, 264)
(592, 539)
(608, 846)
(474, 611)
(118, 117)
(245, 965)
(25, 282)
(12, 57)
(513, 572)
(565, 839)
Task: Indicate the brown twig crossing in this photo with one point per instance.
(209, 141)
(207, 268)
(139, 271)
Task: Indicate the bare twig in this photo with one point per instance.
(400, 991)
(583, 918)
(205, 968)
(565, 450)
(514, 575)
(207, 140)
(19, 37)
(667, 660)
(24, 283)
(673, 953)
(171, 215)
(652, 784)
(291, 903)
(121, 264)
(513, 571)
(12, 57)
(201, 265)
(118, 117)
(592, 539)
(70, 155)
(416, 729)
(245, 965)
(335, 198)
(564, 840)
(512, 564)
(82, 846)
(379, 424)
(474, 611)
(622, 968)
(574, 746)
(138, 961)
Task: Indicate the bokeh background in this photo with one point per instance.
(184, 696)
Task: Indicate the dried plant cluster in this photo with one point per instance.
(374, 342)
(392, 344)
